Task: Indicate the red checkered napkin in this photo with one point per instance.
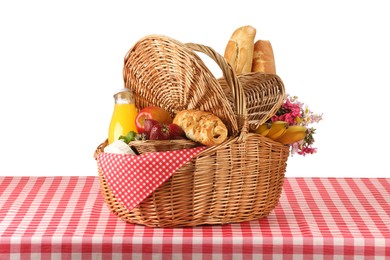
(132, 178)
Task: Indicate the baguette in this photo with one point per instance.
(239, 50)
(263, 57)
(203, 127)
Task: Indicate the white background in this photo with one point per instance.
(60, 62)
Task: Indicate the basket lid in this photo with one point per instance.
(164, 72)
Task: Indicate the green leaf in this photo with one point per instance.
(123, 138)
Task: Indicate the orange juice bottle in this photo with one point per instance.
(123, 117)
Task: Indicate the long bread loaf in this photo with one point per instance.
(263, 57)
(239, 50)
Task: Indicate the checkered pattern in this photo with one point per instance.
(133, 178)
(317, 218)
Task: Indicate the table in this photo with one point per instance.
(316, 218)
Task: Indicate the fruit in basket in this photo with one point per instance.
(166, 132)
(277, 129)
(152, 112)
(293, 134)
(281, 132)
(159, 132)
(148, 124)
(263, 129)
(176, 132)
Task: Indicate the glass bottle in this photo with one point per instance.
(123, 116)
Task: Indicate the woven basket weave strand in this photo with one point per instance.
(264, 93)
(238, 180)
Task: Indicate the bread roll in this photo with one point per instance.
(263, 57)
(239, 50)
(203, 127)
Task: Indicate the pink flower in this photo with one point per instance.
(297, 113)
(295, 109)
(290, 119)
(307, 150)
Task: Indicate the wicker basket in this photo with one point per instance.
(238, 180)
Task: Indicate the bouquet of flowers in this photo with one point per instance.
(295, 112)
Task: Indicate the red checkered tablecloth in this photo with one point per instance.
(317, 218)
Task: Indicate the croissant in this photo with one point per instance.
(200, 126)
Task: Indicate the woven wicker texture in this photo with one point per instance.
(238, 180)
(264, 94)
(164, 72)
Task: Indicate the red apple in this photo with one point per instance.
(152, 112)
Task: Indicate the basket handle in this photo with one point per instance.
(232, 81)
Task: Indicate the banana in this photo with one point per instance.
(263, 129)
(277, 129)
(292, 134)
